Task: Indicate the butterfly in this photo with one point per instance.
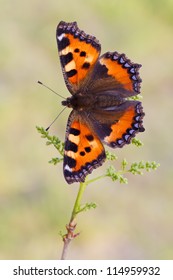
(101, 110)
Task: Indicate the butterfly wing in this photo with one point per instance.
(83, 150)
(115, 73)
(78, 53)
(117, 125)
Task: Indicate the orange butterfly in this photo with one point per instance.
(102, 114)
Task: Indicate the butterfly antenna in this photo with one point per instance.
(56, 118)
(51, 90)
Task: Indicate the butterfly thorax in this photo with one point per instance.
(85, 102)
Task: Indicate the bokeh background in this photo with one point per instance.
(133, 221)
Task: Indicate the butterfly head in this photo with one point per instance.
(72, 102)
(67, 102)
(78, 102)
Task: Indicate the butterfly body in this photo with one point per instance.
(100, 88)
(90, 102)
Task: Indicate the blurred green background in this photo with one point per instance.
(133, 221)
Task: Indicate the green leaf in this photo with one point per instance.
(88, 206)
(51, 140)
(137, 167)
(136, 97)
(124, 164)
(54, 161)
(116, 175)
(111, 156)
(137, 142)
(151, 165)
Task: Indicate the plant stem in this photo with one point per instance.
(77, 204)
(65, 248)
(72, 224)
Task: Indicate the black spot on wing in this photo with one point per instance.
(65, 42)
(76, 50)
(65, 59)
(89, 137)
(86, 65)
(87, 149)
(74, 131)
(71, 162)
(70, 146)
(71, 73)
(82, 53)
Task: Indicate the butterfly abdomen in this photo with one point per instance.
(107, 100)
